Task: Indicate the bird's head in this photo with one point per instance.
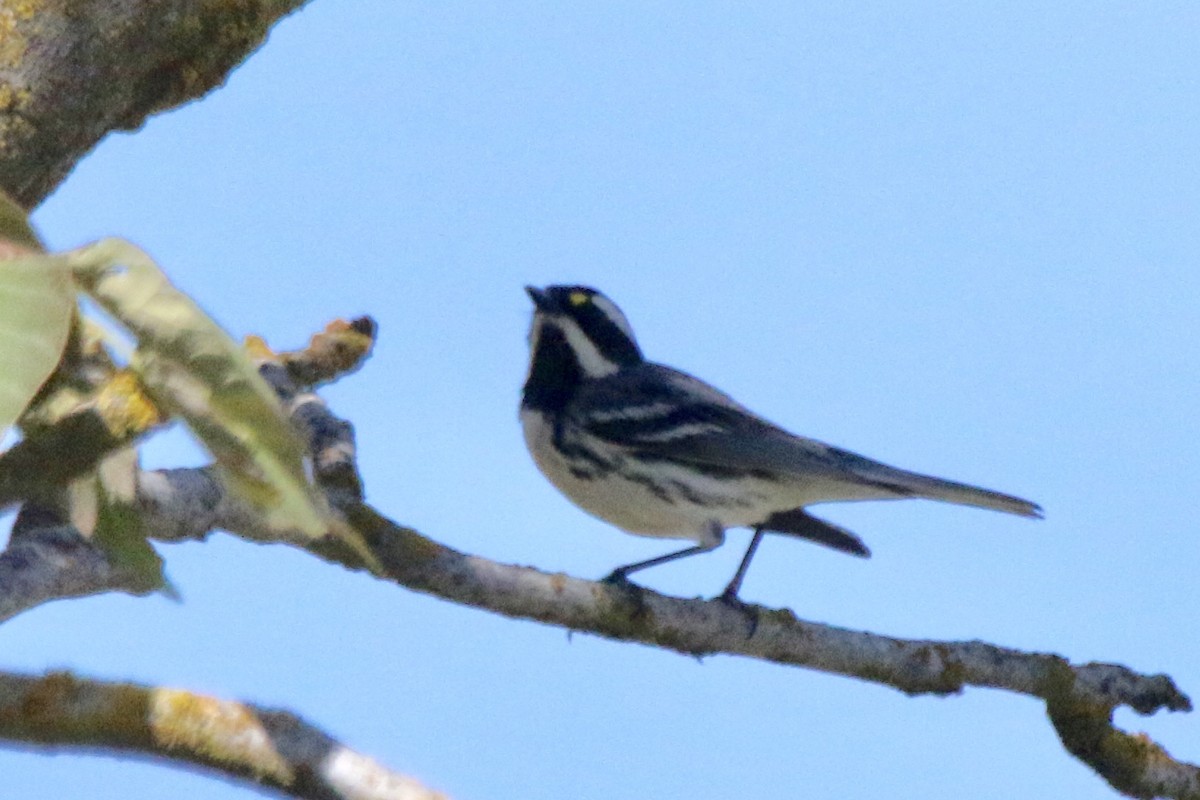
(590, 325)
(577, 334)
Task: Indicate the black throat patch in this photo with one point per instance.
(554, 374)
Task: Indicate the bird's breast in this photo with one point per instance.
(657, 499)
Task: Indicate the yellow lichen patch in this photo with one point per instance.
(124, 407)
(1151, 751)
(345, 344)
(13, 101)
(339, 348)
(13, 43)
(13, 130)
(220, 730)
(257, 348)
(12, 98)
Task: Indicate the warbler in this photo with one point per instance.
(659, 453)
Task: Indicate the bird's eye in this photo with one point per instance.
(578, 298)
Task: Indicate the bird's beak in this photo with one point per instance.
(540, 299)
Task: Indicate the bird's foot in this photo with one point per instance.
(730, 597)
(750, 611)
(619, 580)
(618, 576)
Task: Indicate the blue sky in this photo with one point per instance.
(960, 238)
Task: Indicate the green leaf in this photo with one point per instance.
(37, 298)
(192, 368)
(118, 528)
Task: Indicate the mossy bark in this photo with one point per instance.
(73, 70)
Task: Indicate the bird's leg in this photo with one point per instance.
(714, 537)
(621, 574)
(730, 595)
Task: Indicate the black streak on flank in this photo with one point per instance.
(580, 453)
(693, 497)
(656, 489)
(711, 470)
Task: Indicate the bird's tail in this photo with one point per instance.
(894, 483)
(915, 485)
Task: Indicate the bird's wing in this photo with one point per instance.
(658, 412)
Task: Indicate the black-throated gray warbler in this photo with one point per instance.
(659, 453)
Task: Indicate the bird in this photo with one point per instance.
(659, 453)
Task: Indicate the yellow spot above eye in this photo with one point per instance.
(578, 298)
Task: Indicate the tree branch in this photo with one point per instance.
(73, 70)
(53, 563)
(1080, 698)
(46, 560)
(259, 746)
